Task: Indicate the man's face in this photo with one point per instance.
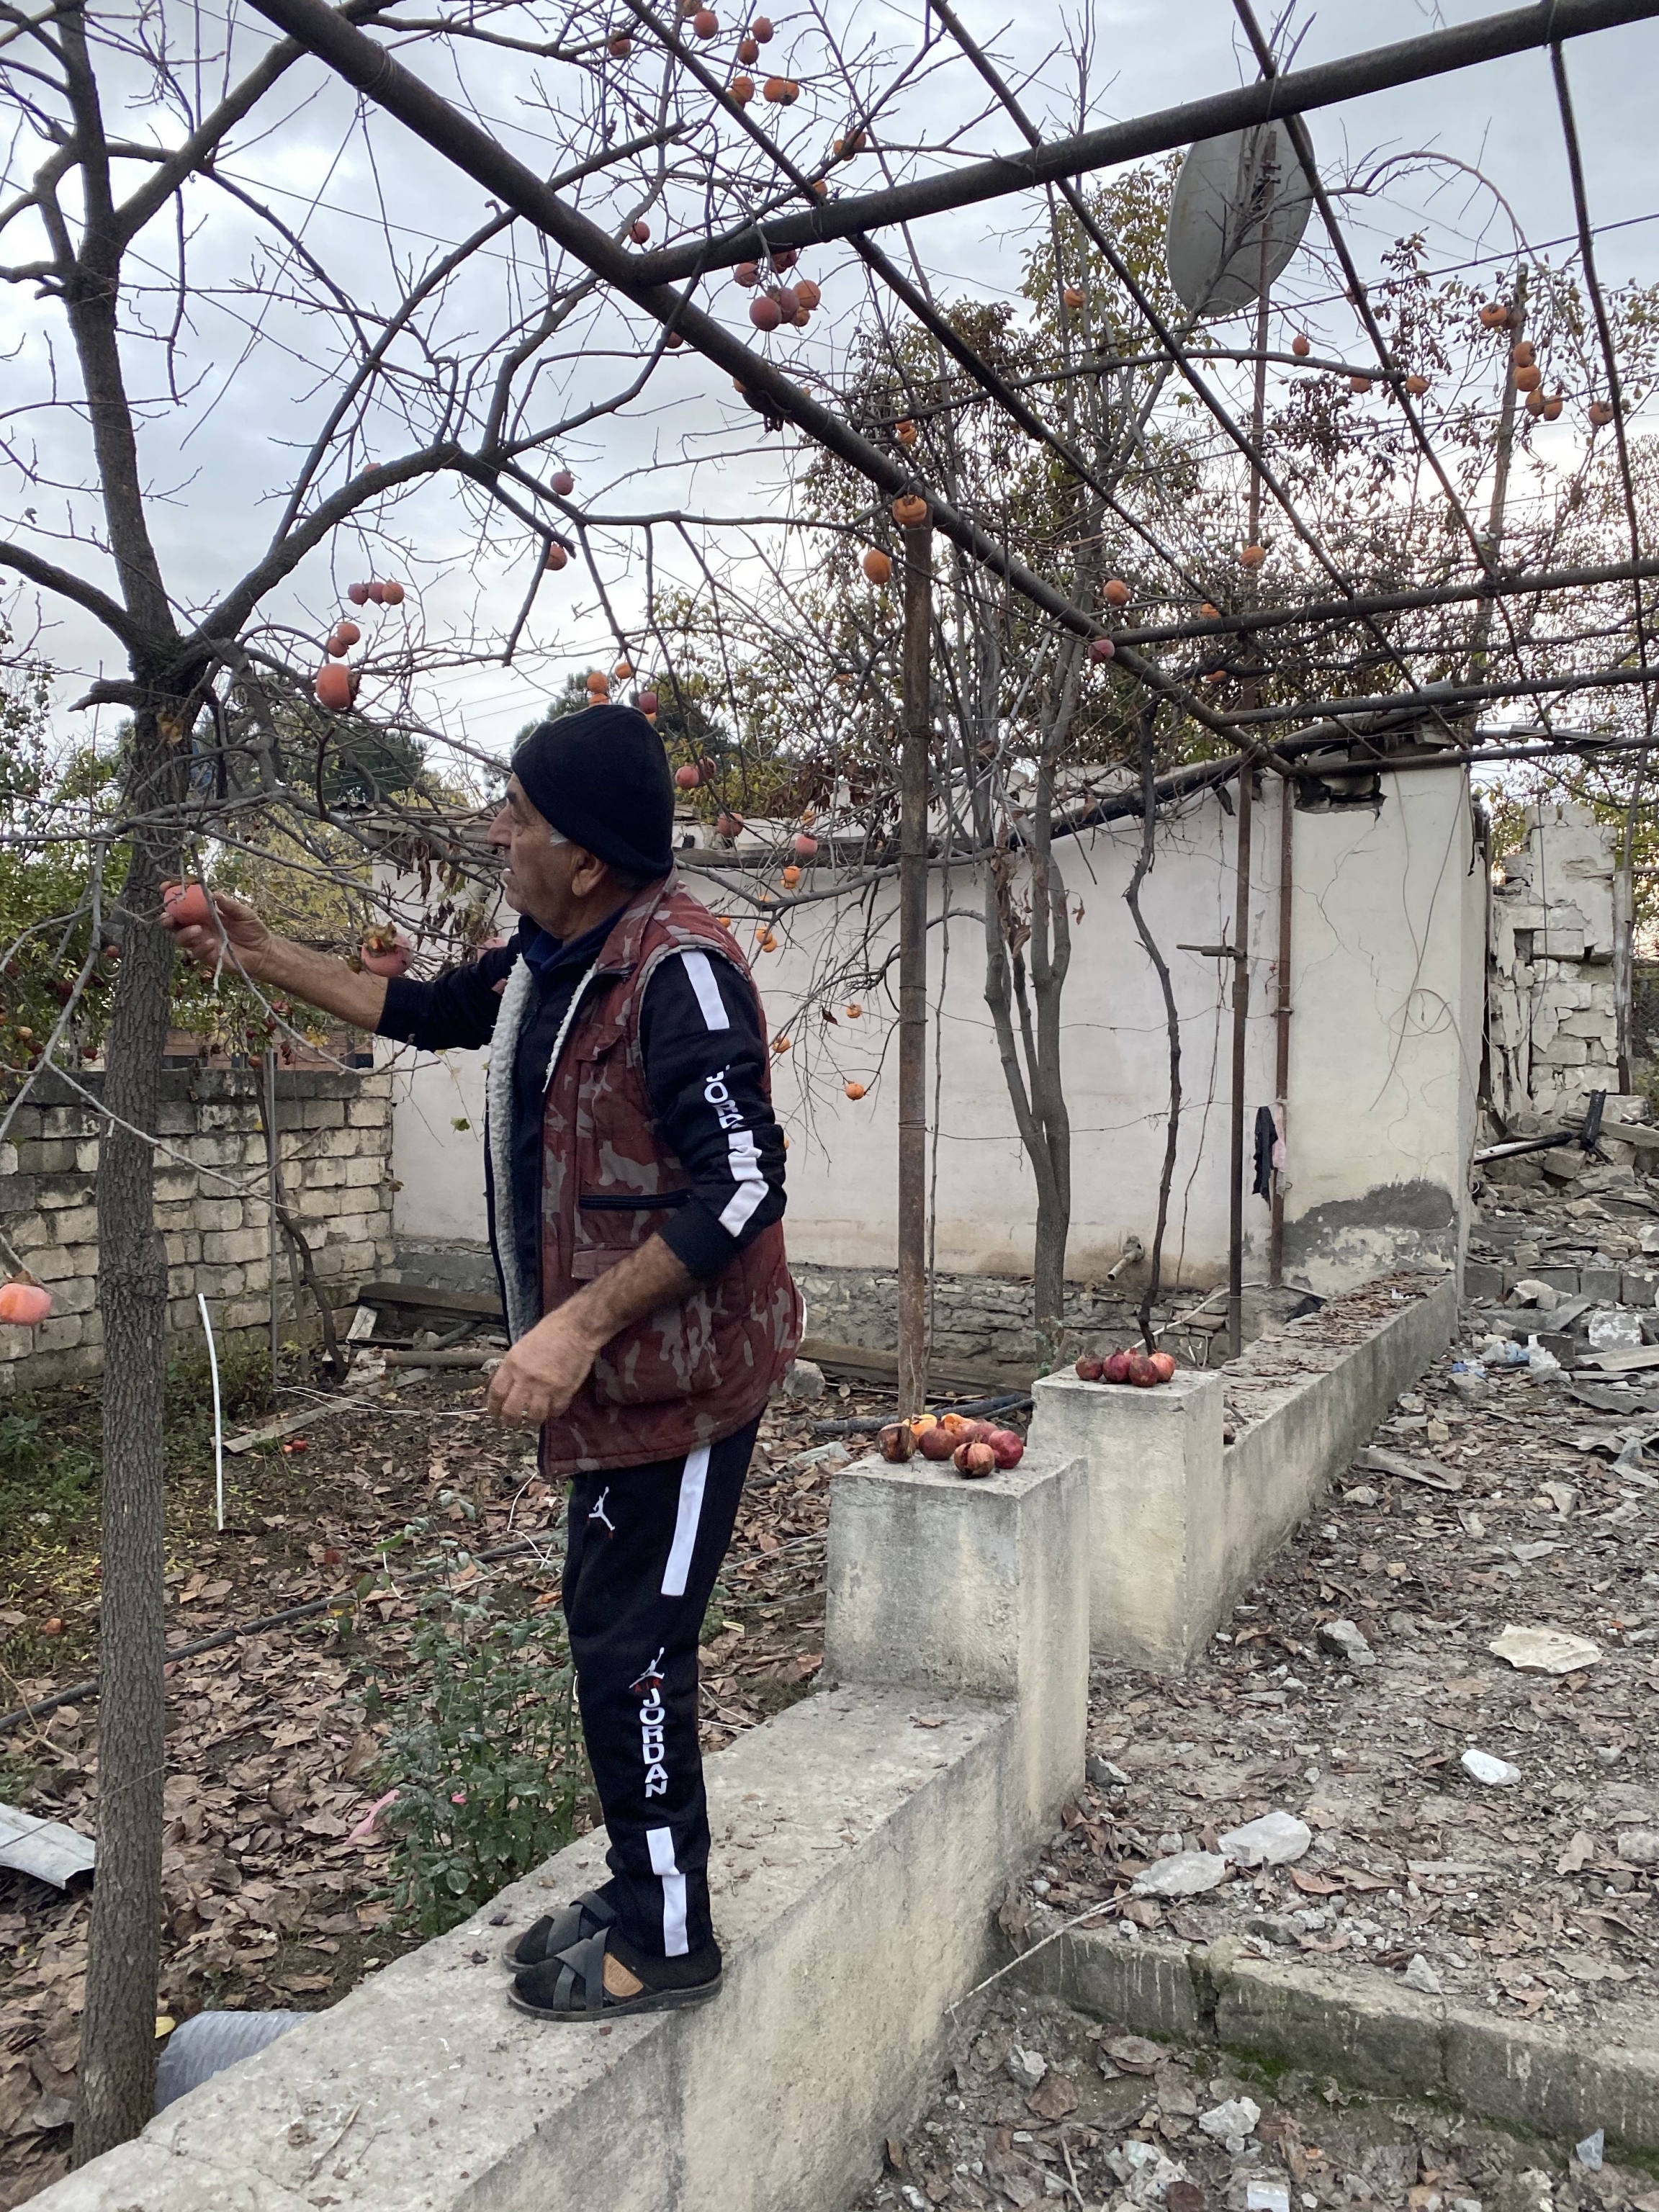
(540, 864)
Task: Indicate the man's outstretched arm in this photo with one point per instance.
(456, 1009)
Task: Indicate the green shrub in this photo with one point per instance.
(40, 1476)
(485, 1750)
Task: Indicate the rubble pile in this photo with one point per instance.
(1043, 2104)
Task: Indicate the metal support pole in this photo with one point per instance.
(268, 1077)
(1237, 1149)
(913, 972)
(1241, 1016)
(1282, 1019)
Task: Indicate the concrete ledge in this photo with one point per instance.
(1366, 2028)
(862, 1841)
(1181, 1524)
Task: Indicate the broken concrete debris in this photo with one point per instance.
(1420, 1975)
(1546, 1651)
(1495, 1773)
(1346, 1641)
(1276, 1840)
(1025, 2069)
(1231, 2122)
(1183, 1873)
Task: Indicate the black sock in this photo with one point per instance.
(688, 1972)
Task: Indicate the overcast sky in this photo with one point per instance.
(251, 402)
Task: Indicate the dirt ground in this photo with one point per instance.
(271, 1903)
(1042, 2104)
(1344, 1691)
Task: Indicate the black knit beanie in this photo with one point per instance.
(601, 778)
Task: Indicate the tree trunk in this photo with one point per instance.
(118, 2032)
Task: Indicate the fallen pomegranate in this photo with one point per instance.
(1117, 1367)
(54, 1627)
(937, 1443)
(1008, 1446)
(1164, 1363)
(896, 1442)
(24, 1302)
(1088, 1368)
(186, 906)
(974, 1460)
(1142, 1373)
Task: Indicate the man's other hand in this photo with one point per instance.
(543, 1372)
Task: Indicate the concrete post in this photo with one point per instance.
(970, 1589)
(1156, 1521)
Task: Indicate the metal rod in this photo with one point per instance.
(364, 62)
(1300, 92)
(1241, 967)
(1282, 1025)
(1436, 697)
(218, 1415)
(913, 972)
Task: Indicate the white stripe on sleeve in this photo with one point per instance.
(701, 976)
(693, 1476)
(745, 1157)
(660, 1843)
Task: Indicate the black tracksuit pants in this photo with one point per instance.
(645, 1546)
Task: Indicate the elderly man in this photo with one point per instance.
(635, 1177)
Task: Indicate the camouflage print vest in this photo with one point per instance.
(695, 1371)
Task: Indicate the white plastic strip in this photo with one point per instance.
(218, 1416)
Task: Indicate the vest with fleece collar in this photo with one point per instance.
(694, 1372)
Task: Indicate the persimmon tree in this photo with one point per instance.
(418, 394)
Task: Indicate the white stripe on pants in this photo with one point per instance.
(660, 1841)
(693, 1476)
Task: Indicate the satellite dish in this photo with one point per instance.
(1235, 195)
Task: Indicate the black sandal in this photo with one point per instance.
(572, 1988)
(556, 1931)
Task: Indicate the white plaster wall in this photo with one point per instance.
(1385, 1045)
(1387, 937)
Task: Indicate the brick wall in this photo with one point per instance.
(334, 1134)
